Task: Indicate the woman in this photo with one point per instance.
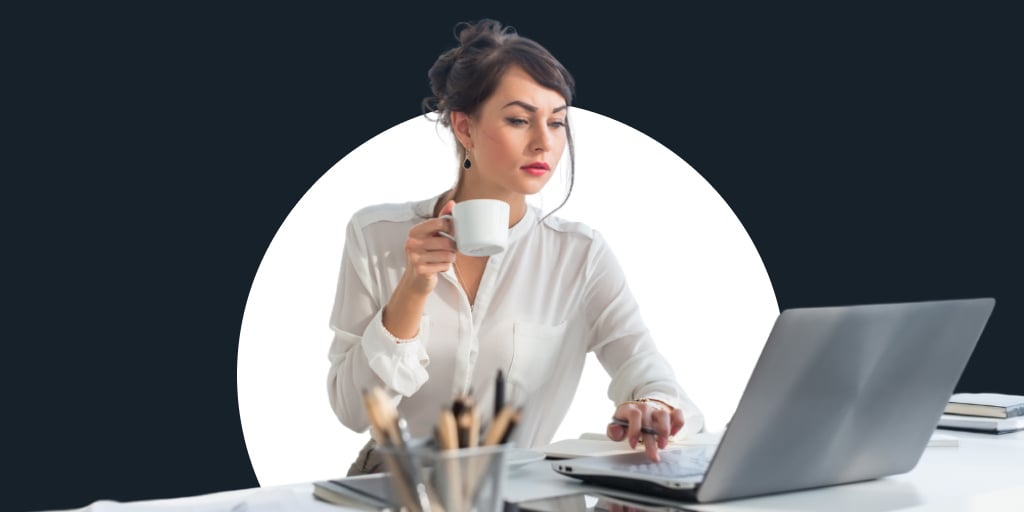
(428, 323)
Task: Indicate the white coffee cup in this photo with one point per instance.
(480, 225)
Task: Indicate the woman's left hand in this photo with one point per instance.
(648, 422)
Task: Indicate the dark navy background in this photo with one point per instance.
(152, 152)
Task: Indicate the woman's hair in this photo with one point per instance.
(463, 78)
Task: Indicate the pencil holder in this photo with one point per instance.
(470, 479)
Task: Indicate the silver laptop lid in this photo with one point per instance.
(843, 394)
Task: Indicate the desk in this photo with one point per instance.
(983, 473)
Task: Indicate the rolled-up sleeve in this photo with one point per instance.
(363, 354)
(622, 343)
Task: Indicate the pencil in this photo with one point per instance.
(513, 421)
(501, 426)
(464, 411)
(474, 428)
(448, 441)
(373, 414)
(389, 429)
(447, 438)
(499, 393)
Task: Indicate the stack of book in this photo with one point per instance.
(992, 413)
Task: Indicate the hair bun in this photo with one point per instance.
(469, 33)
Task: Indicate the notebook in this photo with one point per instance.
(982, 424)
(365, 492)
(838, 395)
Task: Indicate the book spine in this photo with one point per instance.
(983, 430)
(1015, 410)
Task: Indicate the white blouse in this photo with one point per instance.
(556, 293)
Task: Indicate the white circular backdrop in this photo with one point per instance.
(701, 285)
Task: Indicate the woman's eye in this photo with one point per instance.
(515, 121)
(558, 124)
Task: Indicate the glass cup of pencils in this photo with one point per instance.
(467, 479)
(462, 470)
(464, 480)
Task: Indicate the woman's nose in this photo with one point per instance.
(542, 139)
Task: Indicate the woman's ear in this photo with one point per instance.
(460, 127)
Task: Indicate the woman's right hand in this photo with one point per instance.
(649, 422)
(427, 253)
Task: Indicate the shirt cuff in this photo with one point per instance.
(401, 364)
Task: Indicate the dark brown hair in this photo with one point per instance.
(464, 77)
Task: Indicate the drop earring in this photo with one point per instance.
(466, 164)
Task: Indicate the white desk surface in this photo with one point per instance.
(983, 473)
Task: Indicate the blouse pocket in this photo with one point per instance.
(535, 351)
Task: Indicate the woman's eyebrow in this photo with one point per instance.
(531, 108)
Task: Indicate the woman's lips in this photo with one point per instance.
(538, 169)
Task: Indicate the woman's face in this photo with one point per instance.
(516, 138)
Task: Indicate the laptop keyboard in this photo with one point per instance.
(676, 463)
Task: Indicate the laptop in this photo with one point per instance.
(838, 395)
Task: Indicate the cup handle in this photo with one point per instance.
(442, 233)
